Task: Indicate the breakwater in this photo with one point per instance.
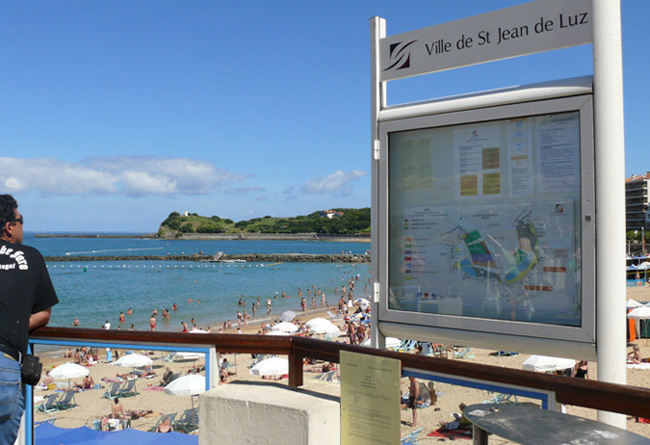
(250, 258)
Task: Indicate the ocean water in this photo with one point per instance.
(97, 291)
(134, 246)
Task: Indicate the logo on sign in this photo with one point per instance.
(400, 55)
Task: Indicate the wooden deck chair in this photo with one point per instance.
(112, 391)
(411, 438)
(67, 401)
(49, 403)
(171, 418)
(128, 389)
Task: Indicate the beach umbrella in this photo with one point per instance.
(189, 385)
(632, 303)
(198, 331)
(271, 366)
(278, 333)
(133, 361)
(322, 326)
(289, 328)
(361, 316)
(187, 356)
(69, 371)
(287, 316)
(391, 342)
(363, 302)
(542, 363)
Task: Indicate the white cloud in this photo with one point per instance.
(123, 175)
(337, 184)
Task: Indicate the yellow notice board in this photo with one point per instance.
(370, 399)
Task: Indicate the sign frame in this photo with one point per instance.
(538, 336)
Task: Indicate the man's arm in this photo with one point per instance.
(39, 319)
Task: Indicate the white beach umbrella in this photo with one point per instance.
(187, 356)
(543, 363)
(288, 316)
(133, 361)
(271, 366)
(287, 327)
(189, 385)
(69, 371)
(278, 333)
(322, 326)
(363, 302)
(391, 342)
(198, 331)
(632, 303)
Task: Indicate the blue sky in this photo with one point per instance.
(114, 114)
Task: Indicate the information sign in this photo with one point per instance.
(370, 399)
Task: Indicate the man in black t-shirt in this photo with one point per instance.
(26, 300)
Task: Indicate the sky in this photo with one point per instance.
(115, 114)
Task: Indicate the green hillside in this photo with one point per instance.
(347, 222)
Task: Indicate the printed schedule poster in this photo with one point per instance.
(370, 399)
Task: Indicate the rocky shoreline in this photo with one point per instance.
(226, 237)
(249, 258)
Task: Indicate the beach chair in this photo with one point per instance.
(464, 353)
(112, 391)
(50, 420)
(67, 401)
(171, 418)
(411, 438)
(407, 346)
(188, 422)
(49, 403)
(338, 315)
(128, 389)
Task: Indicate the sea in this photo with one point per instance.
(208, 293)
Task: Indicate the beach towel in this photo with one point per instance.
(451, 434)
(638, 365)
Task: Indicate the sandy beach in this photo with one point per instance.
(151, 397)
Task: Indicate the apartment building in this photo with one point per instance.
(637, 202)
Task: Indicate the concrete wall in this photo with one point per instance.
(267, 413)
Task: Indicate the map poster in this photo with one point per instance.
(370, 399)
(505, 261)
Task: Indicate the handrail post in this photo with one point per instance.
(295, 369)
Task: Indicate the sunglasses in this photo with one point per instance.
(18, 220)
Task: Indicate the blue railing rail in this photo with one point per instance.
(624, 399)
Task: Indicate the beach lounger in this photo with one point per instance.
(49, 403)
(128, 389)
(464, 353)
(49, 420)
(411, 438)
(112, 391)
(171, 418)
(67, 401)
(188, 422)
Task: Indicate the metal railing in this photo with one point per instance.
(623, 399)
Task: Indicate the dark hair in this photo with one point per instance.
(8, 206)
(116, 400)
